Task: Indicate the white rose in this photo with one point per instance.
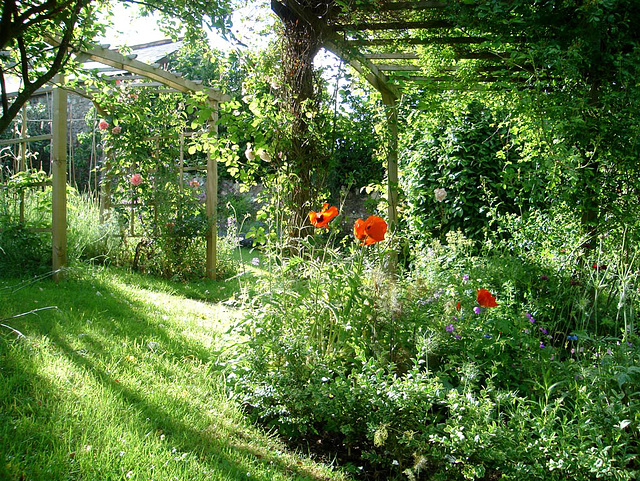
(264, 155)
(249, 153)
(441, 194)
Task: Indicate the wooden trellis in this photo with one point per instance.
(59, 146)
(182, 169)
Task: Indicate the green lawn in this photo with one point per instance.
(113, 377)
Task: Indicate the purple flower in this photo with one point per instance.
(457, 336)
(530, 317)
(541, 345)
(544, 277)
(477, 310)
(449, 328)
(543, 330)
(465, 278)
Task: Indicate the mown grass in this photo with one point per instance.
(110, 378)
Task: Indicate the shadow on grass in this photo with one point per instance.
(87, 331)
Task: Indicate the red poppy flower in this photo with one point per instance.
(485, 299)
(600, 267)
(458, 306)
(371, 230)
(322, 218)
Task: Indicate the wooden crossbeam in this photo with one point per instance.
(450, 78)
(398, 25)
(392, 56)
(25, 140)
(416, 41)
(395, 6)
(397, 67)
(482, 55)
(121, 62)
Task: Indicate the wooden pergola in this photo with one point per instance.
(380, 40)
(59, 147)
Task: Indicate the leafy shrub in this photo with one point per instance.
(416, 379)
(22, 251)
(470, 157)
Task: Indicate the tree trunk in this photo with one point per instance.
(301, 43)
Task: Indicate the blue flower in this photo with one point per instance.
(572, 337)
(487, 336)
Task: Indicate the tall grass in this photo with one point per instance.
(88, 236)
(25, 238)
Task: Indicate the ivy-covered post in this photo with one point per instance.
(391, 105)
(212, 199)
(59, 179)
(301, 43)
(390, 102)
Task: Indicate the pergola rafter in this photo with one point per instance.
(381, 39)
(368, 35)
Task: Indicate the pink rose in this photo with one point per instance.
(103, 124)
(136, 179)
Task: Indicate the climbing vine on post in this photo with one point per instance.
(306, 157)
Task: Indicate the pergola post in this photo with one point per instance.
(59, 179)
(390, 102)
(212, 199)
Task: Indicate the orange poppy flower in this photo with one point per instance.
(322, 218)
(485, 299)
(371, 230)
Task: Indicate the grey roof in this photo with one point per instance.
(150, 53)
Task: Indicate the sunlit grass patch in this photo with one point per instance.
(113, 381)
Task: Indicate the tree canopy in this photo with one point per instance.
(28, 27)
